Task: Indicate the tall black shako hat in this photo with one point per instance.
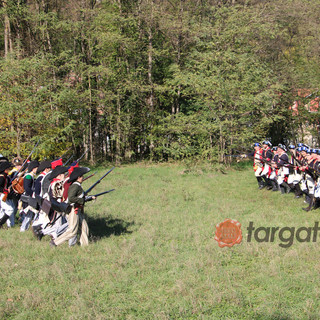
(58, 170)
(33, 164)
(5, 165)
(44, 165)
(78, 172)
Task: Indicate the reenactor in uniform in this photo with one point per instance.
(7, 205)
(267, 156)
(311, 176)
(258, 164)
(28, 184)
(76, 198)
(13, 174)
(55, 193)
(274, 169)
(42, 171)
(283, 173)
(294, 173)
(307, 182)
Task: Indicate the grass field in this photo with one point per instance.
(153, 255)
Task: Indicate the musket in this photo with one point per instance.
(82, 155)
(37, 201)
(68, 160)
(90, 198)
(17, 178)
(29, 156)
(86, 192)
(88, 177)
(237, 155)
(306, 170)
(65, 153)
(87, 199)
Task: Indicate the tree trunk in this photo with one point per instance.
(90, 124)
(18, 140)
(8, 47)
(118, 130)
(150, 53)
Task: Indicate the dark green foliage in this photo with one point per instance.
(153, 79)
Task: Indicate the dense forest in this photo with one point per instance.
(155, 79)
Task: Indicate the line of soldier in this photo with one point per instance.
(52, 201)
(300, 173)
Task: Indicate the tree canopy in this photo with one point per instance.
(154, 79)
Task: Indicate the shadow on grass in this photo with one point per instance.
(104, 227)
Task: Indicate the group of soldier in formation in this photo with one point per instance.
(48, 196)
(299, 173)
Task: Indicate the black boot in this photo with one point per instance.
(292, 187)
(307, 200)
(282, 189)
(40, 235)
(310, 204)
(260, 183)
(287, 188)
(3, 220)
(35, 230)
(274, 185)
(266, 182)
(297, 191)
(316, 203)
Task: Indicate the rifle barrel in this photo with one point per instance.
(98, 181)
(101, 193)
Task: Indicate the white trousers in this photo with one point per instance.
(7, 208)
(258, 172)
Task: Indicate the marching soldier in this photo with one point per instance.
(55, 193)
(258, 164)
(28, 184)
(294, 174)
(267, 156)
(43, 169)
(307, 182)
(311, 176)
(76, 198)
(7, 205)
(274, 167)
(13, 174)
(283, 172)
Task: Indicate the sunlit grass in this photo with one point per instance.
(153, 254)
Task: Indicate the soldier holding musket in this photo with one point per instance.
(283, 172)
(307, 182)
(294, 174)
(7, 205)
(76, 197)
(267, 156)
(274, 167)
(28, 184)
(258, 164)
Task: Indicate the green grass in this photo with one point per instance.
(153, 255)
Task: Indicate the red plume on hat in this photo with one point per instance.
(72, 167)
(56, 163)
